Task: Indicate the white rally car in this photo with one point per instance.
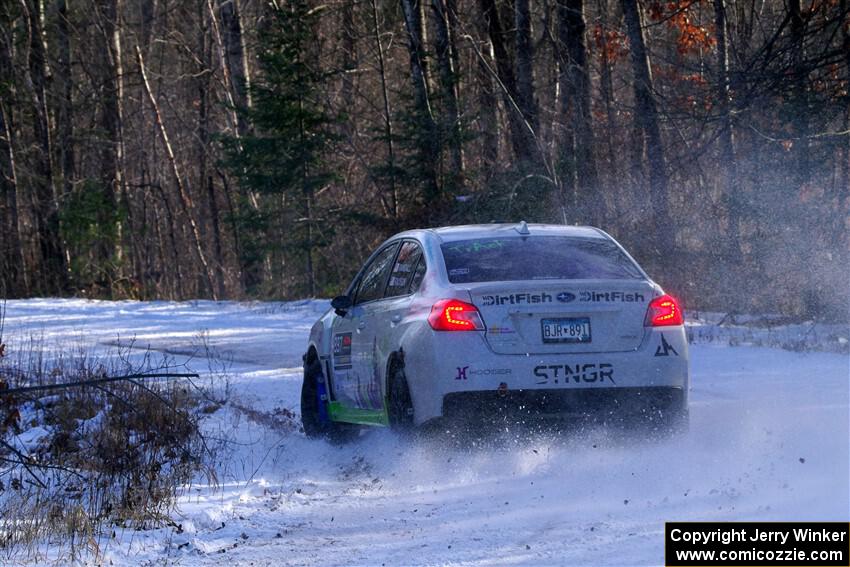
(474, 321)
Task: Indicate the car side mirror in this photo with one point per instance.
(341, 305)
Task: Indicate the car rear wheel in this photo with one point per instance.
(399, 403)
(314, 418)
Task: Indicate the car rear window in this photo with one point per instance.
(536, 258)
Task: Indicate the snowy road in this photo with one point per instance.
(769, 440)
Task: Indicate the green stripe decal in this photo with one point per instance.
(339, 412)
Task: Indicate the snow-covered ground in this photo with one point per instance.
(769, 440)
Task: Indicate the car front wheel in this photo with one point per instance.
(314, 418)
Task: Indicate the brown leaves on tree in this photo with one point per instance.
(611, 45)
(692, 38)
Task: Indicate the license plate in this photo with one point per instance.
(573, 330)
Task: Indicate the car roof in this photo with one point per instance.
(470, 231)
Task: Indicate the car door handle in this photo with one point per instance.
(396, 319)
(361, 325)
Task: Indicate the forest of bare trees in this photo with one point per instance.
(243, 148)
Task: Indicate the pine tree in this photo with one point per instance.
(280, 163)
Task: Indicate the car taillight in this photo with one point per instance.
(664, 311)
(455, 315)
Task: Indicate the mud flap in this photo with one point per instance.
(322, 393)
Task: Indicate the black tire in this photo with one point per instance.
(399, 402)
(314, 426)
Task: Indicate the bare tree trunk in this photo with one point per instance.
(65, 118)
(388, 117)
(231, 52)
(646, 119)
(185, 199)
(522, 140)
(565, 126)
(307, 192)
(801, 166)
(726, 139)
(234, 228)
(429, 150)
(308, 211)
(606, 90)
(487, 103)
(107, 250)
(575, 108)
(46, 208)
(525, 63)
(454, 29)
(147, 11)
(14, 276)
(348, 61)
(235, 60)
(445, 49)
(171, 228)
(205, 178)
(349, 65)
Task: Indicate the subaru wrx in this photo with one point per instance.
(518, 320)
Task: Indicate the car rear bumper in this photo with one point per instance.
(444, 367)
(598, 404)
